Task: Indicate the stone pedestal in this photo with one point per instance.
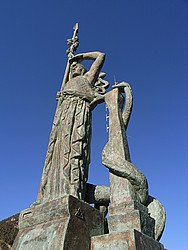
(129, 240)
(66, 223)
(130, 225)
(126, 211)
(132, 220)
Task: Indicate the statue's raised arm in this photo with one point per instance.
(96, 66)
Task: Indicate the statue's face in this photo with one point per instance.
(75, 70)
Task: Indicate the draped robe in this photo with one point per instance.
(68, 155)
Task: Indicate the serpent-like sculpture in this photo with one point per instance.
(116, 156)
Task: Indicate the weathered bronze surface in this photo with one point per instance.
(62, 218)
(129, 240)
(131, 207)
(67, 160)
(64, 223)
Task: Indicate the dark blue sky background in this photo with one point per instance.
(146, 44)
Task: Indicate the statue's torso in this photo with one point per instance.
(79, 86)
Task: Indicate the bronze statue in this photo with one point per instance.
(68, 156)
(62, 217)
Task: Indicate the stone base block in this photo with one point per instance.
(132, 220)
(125, 207)
(121, 190)
(66, 223)
(129, 240)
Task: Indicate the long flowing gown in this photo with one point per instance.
(68, 155)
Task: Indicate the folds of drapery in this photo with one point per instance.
(66, 165)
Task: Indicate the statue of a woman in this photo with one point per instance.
(68, 155)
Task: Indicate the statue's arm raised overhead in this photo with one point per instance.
(96, 66)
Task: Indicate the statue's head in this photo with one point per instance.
(77, 69)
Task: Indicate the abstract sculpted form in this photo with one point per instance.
(62, 218)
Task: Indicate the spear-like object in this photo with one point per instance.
(70, 53)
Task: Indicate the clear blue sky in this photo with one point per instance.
(146, 44)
